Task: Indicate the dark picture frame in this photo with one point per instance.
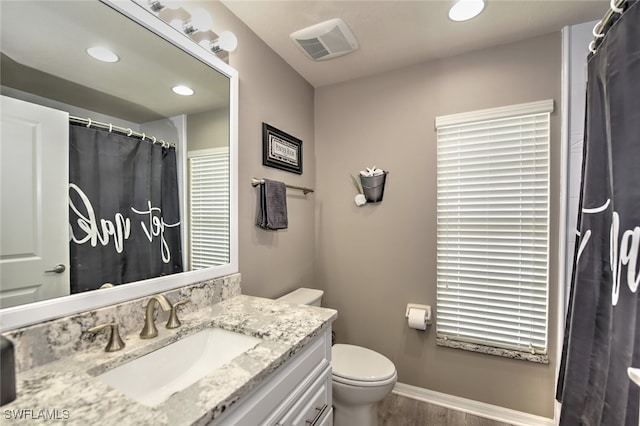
(281, 150)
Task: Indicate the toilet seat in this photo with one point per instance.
(358, 366)
(363, 384)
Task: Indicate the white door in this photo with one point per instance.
(34, 207)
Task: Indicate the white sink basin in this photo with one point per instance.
(154, 377)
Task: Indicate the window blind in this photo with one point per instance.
(492, 230)
(209, 208)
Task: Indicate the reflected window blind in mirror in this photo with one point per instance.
(492, 228)
(209, 207)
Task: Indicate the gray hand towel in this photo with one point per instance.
(272, 206)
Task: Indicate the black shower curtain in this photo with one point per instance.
(602, 337)
(124, 215)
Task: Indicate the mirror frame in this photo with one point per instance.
(32, 313)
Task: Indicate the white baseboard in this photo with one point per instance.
(477, 408)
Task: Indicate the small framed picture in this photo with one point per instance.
(281, 150)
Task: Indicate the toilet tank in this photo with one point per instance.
(303, 296)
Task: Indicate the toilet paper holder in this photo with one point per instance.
(426, 308)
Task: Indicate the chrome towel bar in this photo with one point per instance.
(256, 182)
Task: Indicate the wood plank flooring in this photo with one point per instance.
(397, 410)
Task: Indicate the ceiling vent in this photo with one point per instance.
(326, 40)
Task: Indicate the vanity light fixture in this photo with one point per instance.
(204, 38)
(182, 90)
(199, 20)
(195, 22)
(178, 18)
(155, 6)
(226, 41)
(463, 10)
(102, 54)
(174, 14)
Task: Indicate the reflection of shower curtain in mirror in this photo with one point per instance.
(602, 338)
(124, 214)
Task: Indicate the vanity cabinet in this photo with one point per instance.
(296, 394)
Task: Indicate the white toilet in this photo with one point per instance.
(361, 377)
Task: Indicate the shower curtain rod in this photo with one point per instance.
(124, 130)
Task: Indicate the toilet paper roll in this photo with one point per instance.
(417, 319)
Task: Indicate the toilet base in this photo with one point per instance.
(350, 415)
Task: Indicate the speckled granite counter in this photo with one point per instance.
(67, 392)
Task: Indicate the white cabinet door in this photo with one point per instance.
(314, 406)
(34, 216)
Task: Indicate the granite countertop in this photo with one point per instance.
(67, 392)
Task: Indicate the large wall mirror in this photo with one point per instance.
(57, 102)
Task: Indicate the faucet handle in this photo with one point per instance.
(115, 341)
(174, 322)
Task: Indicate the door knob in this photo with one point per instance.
(58, 269)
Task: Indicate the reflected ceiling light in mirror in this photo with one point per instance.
(463, 10)
(182, 90)
(226, 41)
(102, 54)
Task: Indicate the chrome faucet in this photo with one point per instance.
(150, 331)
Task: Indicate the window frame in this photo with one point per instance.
(464, 340)
(198, 259)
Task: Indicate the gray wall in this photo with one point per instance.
(208, 129)
(372, 260)
(272, 263)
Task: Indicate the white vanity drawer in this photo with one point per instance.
(287, 386)
(313, 407)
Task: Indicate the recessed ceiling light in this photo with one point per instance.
(463, 10)
(102, 54)
(182, 90)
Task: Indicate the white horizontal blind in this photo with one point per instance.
(209, 207)
(492, 231)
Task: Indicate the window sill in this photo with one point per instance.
(505, 353)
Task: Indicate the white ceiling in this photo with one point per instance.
(398, 33)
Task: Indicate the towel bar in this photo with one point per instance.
(256, 182)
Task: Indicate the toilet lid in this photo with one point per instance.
(360, 364)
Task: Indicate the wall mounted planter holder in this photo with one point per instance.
(373, 187)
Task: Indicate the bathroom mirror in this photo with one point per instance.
(44, 62)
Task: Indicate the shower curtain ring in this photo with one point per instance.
(142, 135)
(592, 46)
(130, 131)
(153, 138)
(89, 123)
(595, 34)
(612, 5)
(110, 127)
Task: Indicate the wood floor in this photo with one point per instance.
(397, 410)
